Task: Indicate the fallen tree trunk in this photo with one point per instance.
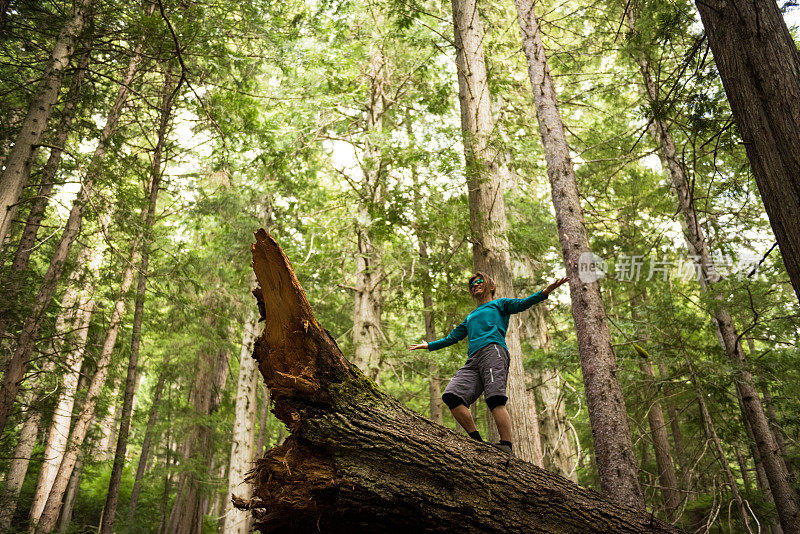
(358, 460)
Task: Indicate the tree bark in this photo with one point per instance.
(435, 381)
(360, 461)
(243, 442)
(50, 513)
(668, 480)
(27, 241)
(711, 432)
(147, 440)
(759, 65)
(71, 495)
(186, 516)
(18, 364)
(112, 497)
(77, 320)
(19, 161)
(18, 468)
(485, 181)
(367, 298)
(262, 425)
(616, 461)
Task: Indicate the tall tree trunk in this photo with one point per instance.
(18, 467)
(776, 427)
(485, 180)
(775, 469)
(262, 425)
(711, 432)
(50, 513)
(759, 65)
(55, 446)
(547, 385)
(434, 381)
(616, 461)
(323, 478)
(101, 450)
(367, 299)
(559, 452)
(13, 279)
(187, 512)
(243, 442)
(422, 232)
(71, 495)
(668, 480)
(19, 161)
(148, 439)
(112, 497)
(15, 371)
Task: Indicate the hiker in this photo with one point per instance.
(486, 370)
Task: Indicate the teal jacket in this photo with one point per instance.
(487, 324)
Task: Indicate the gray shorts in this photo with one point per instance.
(486, 371)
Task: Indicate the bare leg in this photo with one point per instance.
(503, 422)
(464, 418)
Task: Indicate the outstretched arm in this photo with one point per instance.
(458, 333)
(520, 305)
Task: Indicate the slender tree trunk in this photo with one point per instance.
(668, 480)
(50, 513)
(742, 461)
(162, 521)
(721, 456)
(776, 427)
(367, 299)
(187, 512)
(559, 453)
(262, 425)
(422, 233)
(435, 381)
(485, 179)
(112, 497)
(759, 65)
(18, 468)
(55, 446)
(148, 439)
(101, 448)
(616, 461)
(71, 495)
(15, 371)
(19, 161)
(13, 279)
(242, 444)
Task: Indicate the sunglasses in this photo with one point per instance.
(475, 282)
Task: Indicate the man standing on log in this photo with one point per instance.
(488, 360)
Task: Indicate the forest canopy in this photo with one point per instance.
(392, 148)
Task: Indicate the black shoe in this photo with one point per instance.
(503, 447)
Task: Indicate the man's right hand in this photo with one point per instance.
(423, 345)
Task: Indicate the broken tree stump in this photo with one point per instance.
(357, 460)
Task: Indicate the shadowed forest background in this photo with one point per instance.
(162, 135)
